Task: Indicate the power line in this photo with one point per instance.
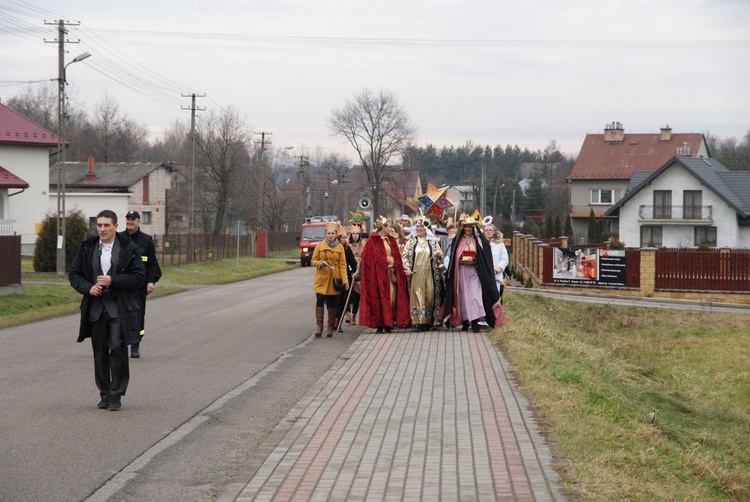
(446, 42)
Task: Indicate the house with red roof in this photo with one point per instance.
(25, 149)
(606, 164)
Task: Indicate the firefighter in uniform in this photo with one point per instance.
(153, 272)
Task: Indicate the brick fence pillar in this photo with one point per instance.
(648, 271)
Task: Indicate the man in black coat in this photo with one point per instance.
(107, 270)
(153, 272)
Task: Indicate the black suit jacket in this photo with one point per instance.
(128, 277)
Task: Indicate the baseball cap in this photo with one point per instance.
(133, 214)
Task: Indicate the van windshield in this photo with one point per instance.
(314, 233)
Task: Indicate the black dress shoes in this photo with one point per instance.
(114, 404)
(379, 330)
(103, 404)
(465, 326)
(475, 327)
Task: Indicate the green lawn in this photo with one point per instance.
(643, 404)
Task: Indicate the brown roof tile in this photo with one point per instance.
(600, 159)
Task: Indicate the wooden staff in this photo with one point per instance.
(348, 297)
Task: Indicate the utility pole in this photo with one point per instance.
(304, 173)
(60, 41)
(191, 208)
(262, 175)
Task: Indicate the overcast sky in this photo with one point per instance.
(490, 71)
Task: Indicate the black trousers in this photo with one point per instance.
(111, 365)
(142, 298)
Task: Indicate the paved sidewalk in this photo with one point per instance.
(406, 416)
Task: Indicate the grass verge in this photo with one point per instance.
(643, 404)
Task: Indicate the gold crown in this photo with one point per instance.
(380, 221)
(467, 219)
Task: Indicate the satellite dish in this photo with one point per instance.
(364, 203)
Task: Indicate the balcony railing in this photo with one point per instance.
(8, 227)
(688, 215)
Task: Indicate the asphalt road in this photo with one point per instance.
(220, 367)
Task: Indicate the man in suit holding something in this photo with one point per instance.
(108, 271)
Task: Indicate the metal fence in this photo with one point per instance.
(175, 249)
(703, 269)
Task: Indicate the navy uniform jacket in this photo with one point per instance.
(146, 246)
(127, 280)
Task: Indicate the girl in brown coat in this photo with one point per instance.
(329, 261)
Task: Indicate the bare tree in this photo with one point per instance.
(173, 146)
(222, 143)
(37, 103)
(378, 128)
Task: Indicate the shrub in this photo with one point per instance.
(45, 250)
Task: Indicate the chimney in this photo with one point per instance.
(614, 133)
(666, 133)
(90, 174)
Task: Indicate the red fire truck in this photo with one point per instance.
(313, 231)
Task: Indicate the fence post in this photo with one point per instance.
(542, 265)
(648, 271)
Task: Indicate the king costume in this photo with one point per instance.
(384, 301)
(423, 257)
(471, 292)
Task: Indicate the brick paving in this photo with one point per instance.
(407, 416)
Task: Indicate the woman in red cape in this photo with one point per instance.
(383, 301)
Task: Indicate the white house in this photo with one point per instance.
(121, 186)
(606, 162)
(25, 149)
(687, 202)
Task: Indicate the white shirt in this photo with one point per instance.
(105, 256)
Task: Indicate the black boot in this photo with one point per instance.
(465, 326)
(475, 326)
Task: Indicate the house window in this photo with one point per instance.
(692, 202)
(663, 205)
(92, 225)
(705, 236)
(650, 237)
(146, 217)
(605, 196)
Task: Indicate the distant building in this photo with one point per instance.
(122, 186)
(607, 161)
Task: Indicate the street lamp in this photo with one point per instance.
(62, 67)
